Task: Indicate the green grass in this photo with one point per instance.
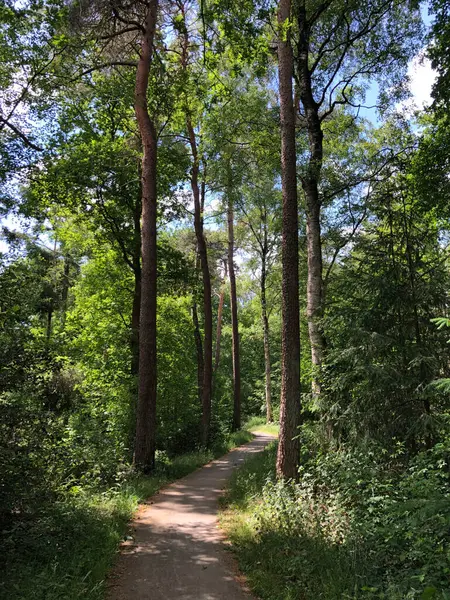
(64, 551)
(284, 563)
(238, 438)
(259, 424)
(272, 428)
(344, 532)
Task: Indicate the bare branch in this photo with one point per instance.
(128, 21)
(114, 34)
(117, 63)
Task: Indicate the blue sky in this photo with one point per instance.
(421, 77)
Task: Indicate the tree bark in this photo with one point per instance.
(202, 252)
(219, 319)
(137, 272)
(207, 301)
(314, 289)
(145, 442)
(199, 350)
(310, 184)
(236, 424)
(289, 445)
(265, 325)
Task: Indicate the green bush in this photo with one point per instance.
(359, 524)
(63, 545)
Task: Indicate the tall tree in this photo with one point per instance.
(288, 455)
(145, 442)
(311, 190)
(338, 49)
(198, 193)
(234, 312)
(242, 136)
(260, 214)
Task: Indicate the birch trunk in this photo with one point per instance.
(310, 184)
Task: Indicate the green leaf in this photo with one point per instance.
(428, 592)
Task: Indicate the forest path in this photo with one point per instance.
(177, 552)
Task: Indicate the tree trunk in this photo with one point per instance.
(289, 445)
(219, 319)
(137, 272)
(236, 424)
(207, 301)
(199, 349)
(144, 450)
(310, 184)
(203, 255)
(314, 290)
(265, 325)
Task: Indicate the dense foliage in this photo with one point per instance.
(359, 524)
(368, 515)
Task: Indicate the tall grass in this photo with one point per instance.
(259, 424)
(353, 528)
(283, 563)
(65, 550)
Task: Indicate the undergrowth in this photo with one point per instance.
(64, 549)
(357, 526)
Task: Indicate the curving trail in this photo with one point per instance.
(177, 552)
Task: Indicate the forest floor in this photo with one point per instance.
(176, 550)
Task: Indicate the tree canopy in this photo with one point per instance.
(214, 212)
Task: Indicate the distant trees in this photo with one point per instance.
(261, 213)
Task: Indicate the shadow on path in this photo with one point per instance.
(177, 552)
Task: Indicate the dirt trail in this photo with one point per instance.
(177, 552)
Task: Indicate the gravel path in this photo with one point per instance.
(177, 552)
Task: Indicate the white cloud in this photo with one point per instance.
(213, 206)
(421, 79)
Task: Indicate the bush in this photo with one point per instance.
(359, 524)
(63, 548)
